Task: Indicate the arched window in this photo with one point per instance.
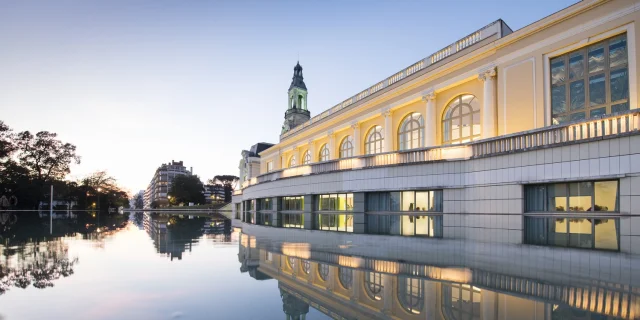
(461, 301)
(373, 285)
(411, 131)
(346, 147)
(306, 266)
(374, 140)
(324, 153)
(292, 161)
(345, 275)
(411, 294)
(323, 272)
(306, 158)
(292, 262)
(461, 120)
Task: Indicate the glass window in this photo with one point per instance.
(596, 196)
(335, 222)
(596, 81)
(292, 220)
(461, 301)
(292, 161)
(292, 262)
(373, 285)
(461, 120)
(269, 166)
(323, 271)
(346, 147)
(293, 203)
(306, 266)
(411, 294)
(335, 202)
(324, 153)
(374, 140)
(345, 276)
(411, 131)
(577, 232)
(405, 201)
(306, 158)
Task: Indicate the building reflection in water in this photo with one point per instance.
(359, 287)
(174, 234)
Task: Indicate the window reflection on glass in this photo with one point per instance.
(597, 196)
(306, 266)
(292, 262)
(578, 232)
(606, 196)
(461, 120)
(411, 294)
(603, 88)
(373, 285)
(345, 276)
(580, 196)
(323, 271)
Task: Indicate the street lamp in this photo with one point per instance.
(168, 201)
(99, 190)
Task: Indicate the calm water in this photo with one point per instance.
(151, 266)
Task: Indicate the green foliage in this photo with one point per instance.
(185, 189)
(228, 182)
(138, 201)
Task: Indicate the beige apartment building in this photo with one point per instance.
(520, 137)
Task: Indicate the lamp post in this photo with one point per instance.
(99, 190)
(168, 201)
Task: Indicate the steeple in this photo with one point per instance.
(297, 112)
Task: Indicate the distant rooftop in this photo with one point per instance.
(496, 29)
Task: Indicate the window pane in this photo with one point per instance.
(476, 123)
(580, 196)
(620, 107)
(597, 112)
(408, 201)
(576, 65)
(558, 99)
(557, 197)
(394, 201)
(606, 193)
(576, 92)
(349, 201)
(596, 58)
(618, 51)
(342, 202)
(577, 116)
(558, 232)
(606, 234)
(557, 71)
(619, 85)
(408, 225)
(422, 201)
(580, 233)
(597, 90)
(422, 225)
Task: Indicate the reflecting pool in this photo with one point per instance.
(181, 266)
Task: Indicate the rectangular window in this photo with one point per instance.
(590, 82)
(411, 201)
(576, 232)
(238, 211)
(293, 220)
(405, 225)
(293, 203)
(585, 196)
(334, 202)
(269, 166)
(264, 204)
(248, 214)
(335, 222)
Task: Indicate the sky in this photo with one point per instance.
(134, 84)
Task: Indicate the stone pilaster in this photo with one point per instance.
(430, 120)
(489, 106)
(308, 212)
(388, 130)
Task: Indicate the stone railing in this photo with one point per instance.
(488, 31)
(597, 128)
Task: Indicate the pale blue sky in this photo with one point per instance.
(134, 84)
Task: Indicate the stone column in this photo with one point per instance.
(388, 130)
(308, 212)
(356, 139)
(430, 120)
(489, 112)
(332, 145)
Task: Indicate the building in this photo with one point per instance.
(518, 137)
(249, 165)
(161, 182)
(213, 193)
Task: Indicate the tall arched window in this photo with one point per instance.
(373, 285)
(411, 294)
(374, 140)
(324, 153)
(306, 158)
(292, 262)
(323, 271)
(306, 266)
(461, 120)
(346, 147)
(292, 161)
(411, 132)
(345, 275)
(461, 301)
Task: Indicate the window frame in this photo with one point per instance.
(324, 154)
(306, 158)
(448, 118)
(403, 132)
(293, 161)
(374, 140)
(346, 147)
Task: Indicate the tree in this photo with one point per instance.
(228, 182)
(138, 201)
(44, 156)
(187, 188)
(6, 140)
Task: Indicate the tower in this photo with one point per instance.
(297, 112)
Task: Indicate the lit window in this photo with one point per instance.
(292, 161)
(345, 276)
(306, 159)
(461, 121)
(323, 271)
(346, 147)
(411, 294)
(324, 153)
(269, 166)
(410, 134)
(461, 301)
(373, 284)
(374, 140)
(306, 266)
(591, 81)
